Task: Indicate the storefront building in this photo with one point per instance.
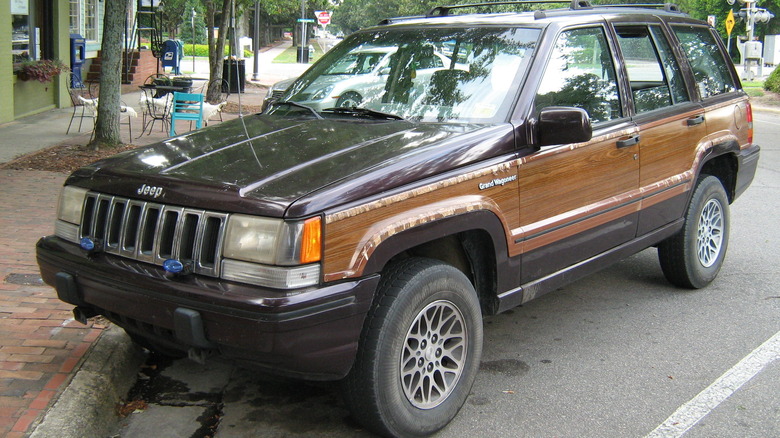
(33, 30)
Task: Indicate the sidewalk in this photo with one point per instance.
(59, 378)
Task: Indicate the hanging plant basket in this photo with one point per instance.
(42, 71)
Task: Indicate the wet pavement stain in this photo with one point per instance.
(478, 401)
(155, 388)
(507, 367)
(24, 279)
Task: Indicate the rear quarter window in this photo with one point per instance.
(710, 68)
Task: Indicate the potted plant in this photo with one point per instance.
(162, 80)
(42, 70)
(182, 81)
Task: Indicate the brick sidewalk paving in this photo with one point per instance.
(41, 346)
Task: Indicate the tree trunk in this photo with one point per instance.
(107, 125)
(216, 46)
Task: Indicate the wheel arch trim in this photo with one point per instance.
(393, 238)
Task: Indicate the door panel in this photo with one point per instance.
(579, 200)
(670, 125)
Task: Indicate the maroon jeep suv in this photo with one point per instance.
(360, 227)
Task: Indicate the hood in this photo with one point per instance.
(264, 164)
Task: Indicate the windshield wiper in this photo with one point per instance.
(363, 112)
(296, 105)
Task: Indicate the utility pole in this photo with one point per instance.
(753, 49)
(302, 51)
(256, 42)
(192, 22)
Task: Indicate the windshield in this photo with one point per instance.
(436, 75)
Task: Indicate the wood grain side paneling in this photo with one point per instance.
(562, 185)
(352, 235)
(669, 146)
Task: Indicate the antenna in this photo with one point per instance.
(238, 81)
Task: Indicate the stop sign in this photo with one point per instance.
(323, 17)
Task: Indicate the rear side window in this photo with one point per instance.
(580, 73)
(653, 73)
(709, 66)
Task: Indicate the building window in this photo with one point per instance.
(90, 20)
(32, 35)
(21, 44)
(75, 14)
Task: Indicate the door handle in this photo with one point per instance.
(698, 120)
(634, 139)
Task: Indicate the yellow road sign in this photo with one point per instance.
(730, 22)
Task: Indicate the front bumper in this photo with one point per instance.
(312, 333)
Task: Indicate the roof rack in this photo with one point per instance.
(443, 11)
(582, 5)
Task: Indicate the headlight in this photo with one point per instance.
(69, 211)
(272, 252)
(322, 93)
(71, 204)
(272, 241)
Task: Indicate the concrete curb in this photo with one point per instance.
(87, 407)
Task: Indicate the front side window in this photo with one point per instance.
(707, 62)
(580, 73)
(653, 73)
(428, 75)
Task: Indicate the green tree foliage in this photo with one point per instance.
(172, 13)
(184, 22)
(351, 15)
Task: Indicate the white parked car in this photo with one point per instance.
(361, 73)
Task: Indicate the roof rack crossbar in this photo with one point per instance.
(668, 7)
(442, 11)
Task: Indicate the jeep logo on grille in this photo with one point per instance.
(152, 191)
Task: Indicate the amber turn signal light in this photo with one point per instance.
(311, 243)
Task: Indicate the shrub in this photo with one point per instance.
(772, 83)
(203, 50)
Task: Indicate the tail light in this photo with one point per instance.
(750, 123)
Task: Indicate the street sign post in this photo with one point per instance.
(323, 18)
(729, 27)
(730, 23)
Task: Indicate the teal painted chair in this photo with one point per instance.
(187, 106)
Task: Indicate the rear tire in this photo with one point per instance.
(419, 351)
(693, 257)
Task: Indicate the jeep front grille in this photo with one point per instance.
(153, 233)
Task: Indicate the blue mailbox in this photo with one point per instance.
(172, 53)
(78, 50)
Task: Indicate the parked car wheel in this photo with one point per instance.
(420, 350)
(693, 257)
(350, 99)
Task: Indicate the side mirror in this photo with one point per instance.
(563, 125)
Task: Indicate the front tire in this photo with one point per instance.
(350, 99)
(693, 257)
(419, 351)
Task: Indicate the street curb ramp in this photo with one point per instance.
(87, 407)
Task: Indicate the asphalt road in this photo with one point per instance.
(613, 355)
